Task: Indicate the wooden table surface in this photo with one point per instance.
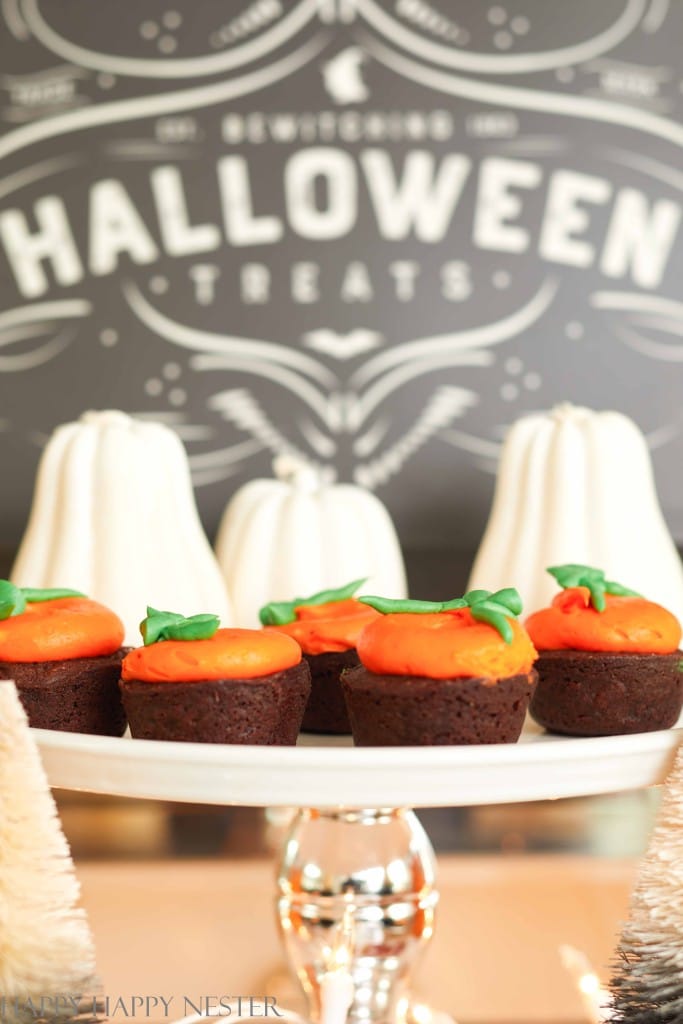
(198, 928)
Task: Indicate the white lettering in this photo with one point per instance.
(180, 238)
(116, 227)
(338, 171)
(423, 200)
(356, 284)
(640, 238)
(255, 284)
(497, 205)
(241, 226)
(404, 273)
(564, 218)
(52, 241)
(204, 277)
(305, 288)
(456, 282)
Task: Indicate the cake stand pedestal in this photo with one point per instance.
(356, 889)
(356, 895)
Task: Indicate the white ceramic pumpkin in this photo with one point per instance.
(114, 516)
(577, 486)
(296, 534)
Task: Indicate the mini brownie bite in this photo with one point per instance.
(431, 673)
(326, 626)
(194, 682)
(608, 658)
(64, 653)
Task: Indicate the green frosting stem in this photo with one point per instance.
(574, 575)
(388, 606)
(13, 599)
(493, 608)
(34, 596)
(279, 613)
(160, 626)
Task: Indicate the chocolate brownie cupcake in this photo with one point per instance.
(194, 682)
(326, 627)
(608, 659)
(64, 654)
(460, 672)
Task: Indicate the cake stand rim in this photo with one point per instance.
(333, 776)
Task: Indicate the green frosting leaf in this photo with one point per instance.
(163, 625)
(13, 599)
(508, 598)
(279, 613)
(493, 608)
(160, 626)
(573, 575)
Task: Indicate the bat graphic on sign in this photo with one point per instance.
(343, 346)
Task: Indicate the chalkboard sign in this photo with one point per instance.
(370, 232)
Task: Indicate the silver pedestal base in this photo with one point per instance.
(359, 881)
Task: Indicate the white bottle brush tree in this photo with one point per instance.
(647, 984)
(46, 949)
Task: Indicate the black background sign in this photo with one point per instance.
(372, 233)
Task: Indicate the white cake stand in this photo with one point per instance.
(356, 887)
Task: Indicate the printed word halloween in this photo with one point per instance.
(500, 205)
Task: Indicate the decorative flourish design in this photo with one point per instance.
(160, 104)
(387, 372)
(654, 19)
(14, 21)
(652, 312)
(339, 401)
(211, 467)
(431, 19)
(36, 172)
(256, 355)
(574, 575)
(445, 405)
(503, 64)
(560, 104)
(188, 67)
(239, 407)
(340, 406)
(494, 608)
(36, 321)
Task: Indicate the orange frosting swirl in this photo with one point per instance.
(228, 654)
(628, 624)
(60, 630)
(335, 626)
(443, 645)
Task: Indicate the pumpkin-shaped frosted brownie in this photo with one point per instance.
(326, 626)
(442, 673)
(64, 653)
(609, 661)
(192, 681)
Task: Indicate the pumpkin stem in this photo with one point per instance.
(295, 471)
(575, 575)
